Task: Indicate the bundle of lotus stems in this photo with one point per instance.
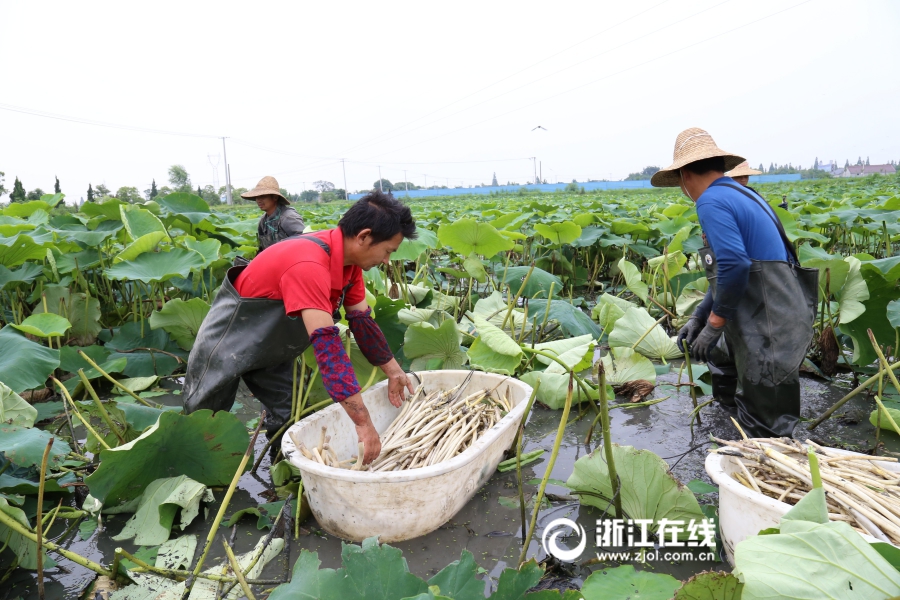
(857, 489)
(430, 429)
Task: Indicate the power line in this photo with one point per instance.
(570, 90)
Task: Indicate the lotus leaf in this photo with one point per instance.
(624, 364)
(14, 410)
(674, 262)
(466, 236)
(75, 261)
(204, 446)
(493, 351)
(24, 274)
(181, 319)
(572, 319)
(647, 488)
(558, 233)
(24, 446)
(539, 283)
(637, 324)
(608, 310)
(409, 316)
(494, 309)
(208, 249)
(633, 279)
(157, 266)
(24, 549)
(475, 268)
(589, 236)
(44, 325)
(853, 293)
(15, 251)
(881, 293)
(386, 313)
(141, 417)
(190, 206)
(145, 243)
(411, 249)
(24, 364)
(265, 514)
(432, 347)
(555, 386)
(561, 346)
(893, 313)
(140, 221)
(710, 585)
(625, 582)
(160, 501)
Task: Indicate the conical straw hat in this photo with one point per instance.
(266, 185)
(692, 145)
(742, 169)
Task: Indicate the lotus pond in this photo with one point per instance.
(100, 307)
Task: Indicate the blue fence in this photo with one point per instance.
(553, 187)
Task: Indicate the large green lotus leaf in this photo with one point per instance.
(75, 261)
(817, 258)
(571, 319)
(44, 325)
(539, 283)
(24, 549)
(24, 365)
(70, 361)
(624, 364)
(576, 359)
(157, 266)
(555, 386)
(208, 249)
(561, 346)
(680, 238)
(889, 267)
(647, 488)
(558, 234)
(181, 319)
(146, 363)
(15, 251)
(411, 249)
(812, 560)
(621, 227)
(83, 312)
(494, 309)
(409, 316)
(589, 236)
(608, 310)
(160, 501)
(108, 209)
(24, 274)
(141, 417)
(204, 446)
(466, 236)
(459, 580)
(131, 336)
(140, 221)
(14, 410)
(893, 313)
(710, 585)
(494, 351)
(881, 293)
(24, 446)
(441, 301)
(386, 313)
(475, 268)
(633, 325)
(96, 418)
(624, 582)
(191, 206)
(793, 230)
(514, 584)
(23, 210)
(432, 347)
(145, 243)
(511, 220)
(265, 513)
(671, 226)
(10, 484)
(691, 296)
(853, 293)
(674, 262)
(633, 279)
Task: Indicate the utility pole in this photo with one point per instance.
(534, 162)
(406, 182)
(228, 198)
(380, 186)
(346, 191)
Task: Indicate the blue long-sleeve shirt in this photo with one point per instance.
(738, 230)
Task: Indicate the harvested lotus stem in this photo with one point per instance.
(858, 489)
(431, 428)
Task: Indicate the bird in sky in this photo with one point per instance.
(540, 127)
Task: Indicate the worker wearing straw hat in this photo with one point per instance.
(742, 173)
(761, 303)
(279, 221)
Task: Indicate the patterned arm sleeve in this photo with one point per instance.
(334, 364)
(369, 337)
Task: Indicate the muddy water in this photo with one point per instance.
(485, 527)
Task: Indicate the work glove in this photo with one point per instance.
(688, 333)
(706, 341)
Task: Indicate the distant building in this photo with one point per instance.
(863, 170)
(828, 167)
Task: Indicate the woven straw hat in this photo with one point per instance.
(692, 145)
(266, 185)
(743, 169)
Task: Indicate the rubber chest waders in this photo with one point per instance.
(756, 365)
(250, 339)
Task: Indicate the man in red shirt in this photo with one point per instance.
(268, 312)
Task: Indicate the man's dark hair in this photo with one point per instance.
(702, 167)
(383, 214)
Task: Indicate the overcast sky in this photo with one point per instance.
(450, 91)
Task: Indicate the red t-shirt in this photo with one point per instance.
(300, 273)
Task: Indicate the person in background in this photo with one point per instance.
(742, 173)
(289, 298)
(761, 304)
(280, 220)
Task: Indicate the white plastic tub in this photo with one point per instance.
(401, 505)
(743, 512)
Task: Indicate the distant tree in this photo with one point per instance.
(815, 166)
(401, 186)
(165, 191)
(867, 161)
(761, 168)
(284, 192)
(199, 191)
(56, 189)
(323, 186)
(859, 161)
(18, 193)
(209, 194)
(644, 174)
(846, 166)
(493, 184)
(179, 178)
(90, 199)
(333, 195)
(128, 194)
(103, 191)
(35, 194)
(771, 167)
(2, 189)
(153, 193)
(386, 185)
(307, 196)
